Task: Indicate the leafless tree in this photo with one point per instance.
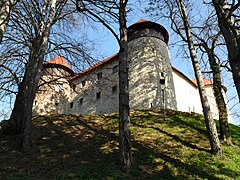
(124, 119)
(229, 23)
(22, 111)
(5, 12)
(177, 13)
(210, 124)
(35, 34)
(208, 46)
(108, 10)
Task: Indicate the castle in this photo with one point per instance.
(153, 82)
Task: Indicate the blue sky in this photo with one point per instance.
(105, 45)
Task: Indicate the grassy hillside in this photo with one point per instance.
(86, 147)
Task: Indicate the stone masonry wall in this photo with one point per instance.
(53, 96)
(96, 91)
(149, 62)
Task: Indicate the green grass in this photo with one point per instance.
(86, 147)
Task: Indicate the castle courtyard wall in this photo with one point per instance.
(85, 98)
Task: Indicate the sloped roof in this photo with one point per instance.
(94, 66)
(184, 76)
(141, 21)
(60, 62)
(100, 63)
(112, 57)
(206, 81)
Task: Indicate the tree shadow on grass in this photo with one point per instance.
(73, 147)
(176, 138)
(190, 170)
(194, 125)
(156, 116)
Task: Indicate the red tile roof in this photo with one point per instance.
(59, 60)
(141, 21)
(206, 81)
(96, 65)
(115, 55)
(193, 81)
(99, 63)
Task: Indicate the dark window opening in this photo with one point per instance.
(99, 76)
(162, 81)
(81, 101)
(83, 83)
(115, 69)
(114, 89)
(71, 105)
(162, 74)
(98, 95)
(56, 104)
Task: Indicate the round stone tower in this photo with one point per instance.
(54, 90)
(150, 71)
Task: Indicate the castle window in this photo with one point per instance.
(114, 89)
(115, 69)
(83, 83)
(99, 76)
(71, 105)
(80, 101)
(162, 81)
(98, 95)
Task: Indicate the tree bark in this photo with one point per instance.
(217, 88)
(124, 119)
(22, 112)
(210, 124)
(232, 39)
(5, 12)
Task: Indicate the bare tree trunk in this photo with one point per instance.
(22, 112)
(210, 124)
(5, 12)
(231, 36)
(217, 88)
(124, 119)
